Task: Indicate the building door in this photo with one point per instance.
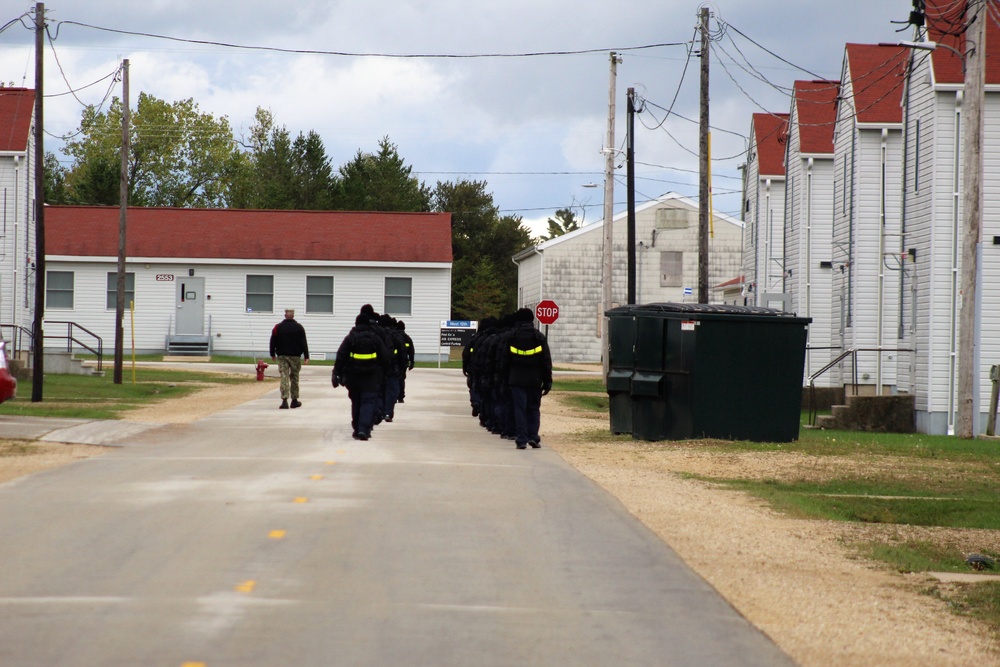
(190, 306)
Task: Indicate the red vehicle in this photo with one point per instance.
(8, 385)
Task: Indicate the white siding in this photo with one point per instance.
(808, 242)
(233, 330)
(17, 238)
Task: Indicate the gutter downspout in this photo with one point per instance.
(13, 297)
(809, 209)
(880, 300)
(767, 238)
(955, 250)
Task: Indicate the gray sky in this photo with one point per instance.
(531, 126)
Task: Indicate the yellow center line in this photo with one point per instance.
(193, 664)
(316, 477)
(301, 500)
(247, 586)
(277, 534)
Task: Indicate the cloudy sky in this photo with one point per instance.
(511, 92)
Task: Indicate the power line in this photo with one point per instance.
(356, 54)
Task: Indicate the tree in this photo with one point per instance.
(484, 279)
(178, 156)
(380, 182)
(276, 172)
(56, 191)
(565, 221)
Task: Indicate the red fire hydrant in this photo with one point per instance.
(260, 370)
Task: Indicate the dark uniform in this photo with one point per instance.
(387, 328)
(361, 366)
(471, 366)
(527, 372)
(411, 354)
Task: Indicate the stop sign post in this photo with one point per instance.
(547, 311)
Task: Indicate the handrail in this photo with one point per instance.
(96, 346)
(851, 352)
(18, 332)
(70, 339)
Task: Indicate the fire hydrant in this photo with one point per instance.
(260, 370)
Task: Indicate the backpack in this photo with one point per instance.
(364, 350)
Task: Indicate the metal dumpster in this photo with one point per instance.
(711, 371)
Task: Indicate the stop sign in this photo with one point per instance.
(547, 311)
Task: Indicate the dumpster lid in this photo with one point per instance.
(694, 308)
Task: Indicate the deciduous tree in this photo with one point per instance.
(178, 155)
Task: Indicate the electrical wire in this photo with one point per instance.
(354, 54)
(772, 53)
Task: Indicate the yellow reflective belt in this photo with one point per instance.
(525, 353)
(365, 357)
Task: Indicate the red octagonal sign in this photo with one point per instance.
(547, 311)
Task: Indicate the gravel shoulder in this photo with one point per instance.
(798, 581)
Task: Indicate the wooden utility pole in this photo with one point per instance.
(609, 211)
(630, 187)
(122, 217)
(37, 333)
(976, 16)
(704, 200)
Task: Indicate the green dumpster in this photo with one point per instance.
(621, 363)
(714, 371)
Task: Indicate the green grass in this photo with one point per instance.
(978, 601)
(916, 504)
(917, 556)
(95, 397)
(579, 384)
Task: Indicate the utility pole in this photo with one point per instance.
(37, 333)
(122, 217)
(609, 211)
(704, 200)
(976, 15)
(630, 187)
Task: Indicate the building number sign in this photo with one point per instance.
(164, 277)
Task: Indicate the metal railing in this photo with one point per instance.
(75, 334)
(853, 353)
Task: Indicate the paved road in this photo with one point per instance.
(259, 537)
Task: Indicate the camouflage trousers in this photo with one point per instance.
(289, 368)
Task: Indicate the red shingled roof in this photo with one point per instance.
(816, 113)
(878, 74)
(92, 231)
(16, 109)
(770, 133)
(948, 16)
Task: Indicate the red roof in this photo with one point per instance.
(816, 113)
(17, 106)
(229, 234)
(877, 76)
(948, 16)
(770, 133)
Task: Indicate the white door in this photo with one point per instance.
(190, 306)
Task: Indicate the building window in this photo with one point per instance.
(671, 268)
(112, 300)
(59, 289)
(398, 296)
(260, 294)
(319, 294)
